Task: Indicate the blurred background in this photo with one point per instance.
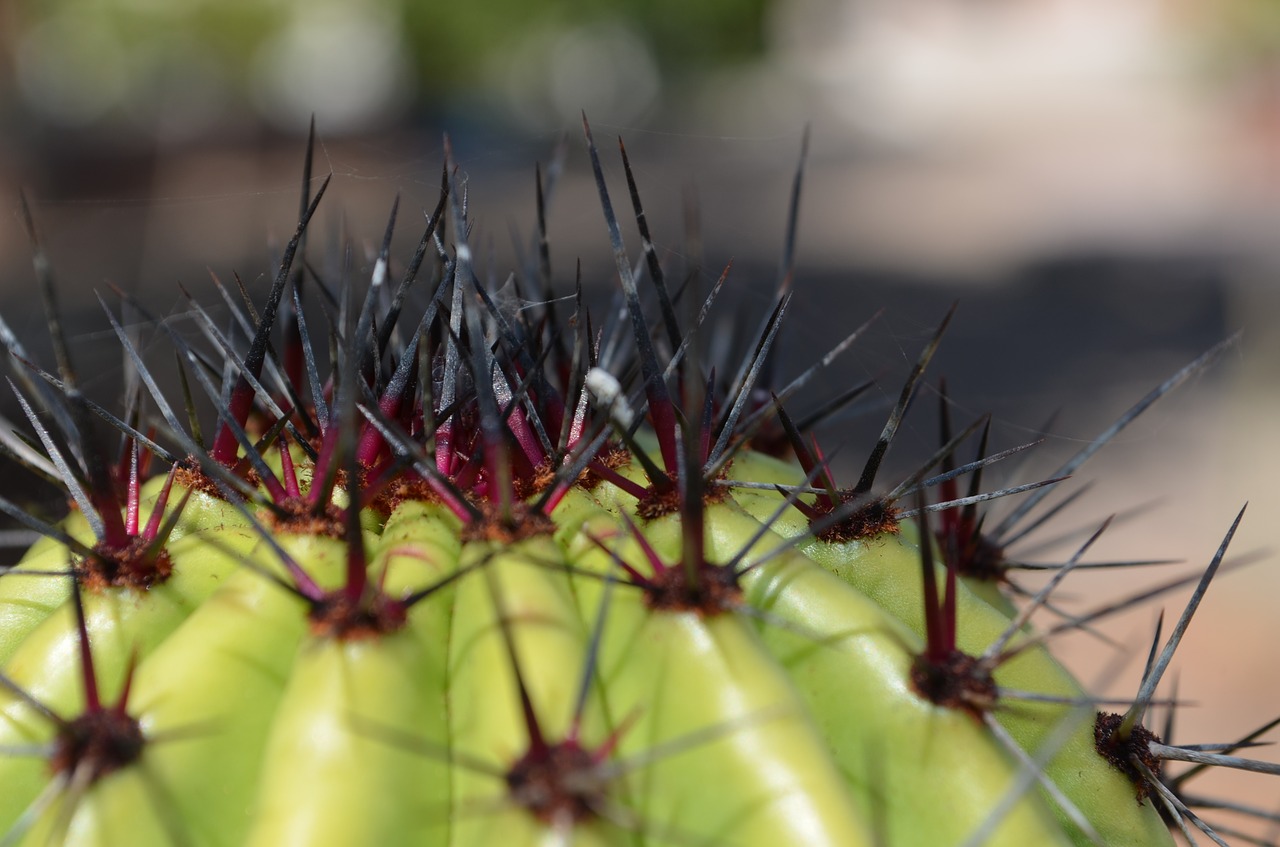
(1097, 182)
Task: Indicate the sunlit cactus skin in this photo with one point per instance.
(470, 576)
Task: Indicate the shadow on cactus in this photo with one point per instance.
(515, 576)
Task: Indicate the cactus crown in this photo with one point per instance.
(499, 576)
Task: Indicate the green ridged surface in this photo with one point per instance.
(786, 720)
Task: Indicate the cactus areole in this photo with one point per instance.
(403, 564)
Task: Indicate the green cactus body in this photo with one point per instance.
(222, 674)
(886, 569)
(834, 643)
(736, 757)
(548, 643)
(329, 779)
(126, 807)
(27, 599)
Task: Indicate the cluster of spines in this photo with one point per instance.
(492, 416)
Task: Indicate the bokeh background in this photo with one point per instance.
(1096, 182)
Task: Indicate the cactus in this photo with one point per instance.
(507, 577)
